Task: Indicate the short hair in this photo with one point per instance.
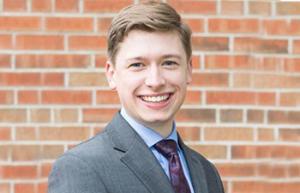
(150, 16)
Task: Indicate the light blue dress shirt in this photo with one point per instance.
(151, 138)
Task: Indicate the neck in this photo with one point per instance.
(163, 129)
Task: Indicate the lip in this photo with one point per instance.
(156, 105)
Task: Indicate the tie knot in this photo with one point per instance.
(166, 147)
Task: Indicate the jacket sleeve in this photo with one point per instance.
(70, 174)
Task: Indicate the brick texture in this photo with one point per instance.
(241, 110)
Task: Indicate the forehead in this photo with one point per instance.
(140, 43)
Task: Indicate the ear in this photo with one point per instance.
(189, 71)
(110, 72)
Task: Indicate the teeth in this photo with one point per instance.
(155, 99)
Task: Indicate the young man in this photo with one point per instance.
(149, 52)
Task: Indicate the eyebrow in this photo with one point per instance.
(163, 57)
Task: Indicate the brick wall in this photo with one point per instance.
(242, 109)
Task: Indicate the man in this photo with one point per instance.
(139, 151)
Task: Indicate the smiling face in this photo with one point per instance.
(150, 74)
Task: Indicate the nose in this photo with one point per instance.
(154, 78)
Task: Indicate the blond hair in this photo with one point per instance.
(151, 16)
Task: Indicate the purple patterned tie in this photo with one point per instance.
(168, 149)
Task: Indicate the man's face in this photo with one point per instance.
(150, 74)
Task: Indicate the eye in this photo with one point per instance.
(136, 65)
(170, 64)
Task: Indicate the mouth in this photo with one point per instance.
(156, 98)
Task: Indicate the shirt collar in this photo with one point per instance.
(150, 136)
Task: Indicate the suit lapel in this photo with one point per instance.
(137, 156)
(196, 169)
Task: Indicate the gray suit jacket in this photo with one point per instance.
(118, 161)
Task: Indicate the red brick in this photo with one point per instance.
(5, 133)
(194, 6)
(259, 8)
(288, 8)
(196, 25)
(265, 134)
(273, 171)
(5, 152)
(231, 115)
(102, 6)
(189, 133)
(292, 65)
(107, 97)
(284, 117)
(281, 27)
(101, 61)
(52, 79)
(66, 6)
(40, 115)
(46, 169)
(20, 23)
(51, 151)
(31, 79)
(257, 45)
(233, 25)
(210, 43)
(255, 116)
(232, 7)
(6, 97)
(15, 5)
(265, 151)
(287, 134)
(236, 169)
(28, 97)
(41, 5)
(64, 133)
(92, 115)
(13, 115)
(18, 79)
(296, 46)
(290, 99)
(52, 61)
(228, 134)
(242, 80)
(39, 42)
(42, 187)
(5, 41)
(229, 62)
(196, 63)
(66, 97)
(18, 172)
(196, 115)
(66, 115)
(5, 61)
(70, 24)
(104, 24)
(24, 188)
(210, 79)
(5, 188)
(26, 133)
(87, 43)
(262, 187)
(193, 97)
(294, 170)
(211, 151)
(26, 152)
(240, 98)
(275, 81)
(88, 79)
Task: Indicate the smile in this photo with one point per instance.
(156, 99)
